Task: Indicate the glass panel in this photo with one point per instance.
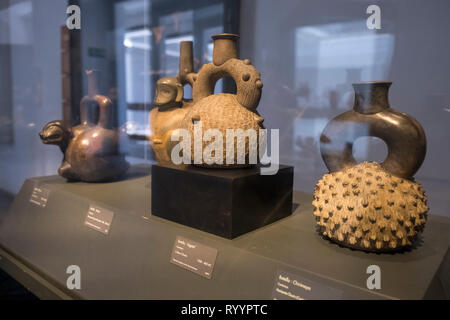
(310, 52)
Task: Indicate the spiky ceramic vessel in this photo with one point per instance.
(365, 207)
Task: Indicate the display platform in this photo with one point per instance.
(125, 253)
(224, 202)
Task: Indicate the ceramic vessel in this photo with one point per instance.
(91, 149)
(209, 111)
(170, 107)
(371, 206)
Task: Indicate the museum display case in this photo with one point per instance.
(224, 149)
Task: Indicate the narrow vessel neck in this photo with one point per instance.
(92, 79)
(225, 47)
(371, 97)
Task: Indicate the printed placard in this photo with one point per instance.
(39, 196)
(99, 219)
(194, 256)
(289, 286)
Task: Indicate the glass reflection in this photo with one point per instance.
(328, 59)
(149, 49)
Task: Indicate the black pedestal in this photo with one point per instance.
(224, 202)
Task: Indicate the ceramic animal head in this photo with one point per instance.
(55, 132)
(169, 93)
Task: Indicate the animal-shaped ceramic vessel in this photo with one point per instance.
(369, 206)
(91, 149)
(220, 112)
(223, 112)
(170, 109)
(170, 106)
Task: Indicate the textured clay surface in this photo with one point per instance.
(365, 207)
(222, 112)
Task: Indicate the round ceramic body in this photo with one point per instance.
(93, 155)
(366, 207)
(222, 112)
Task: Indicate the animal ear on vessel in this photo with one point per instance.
(180, 93)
